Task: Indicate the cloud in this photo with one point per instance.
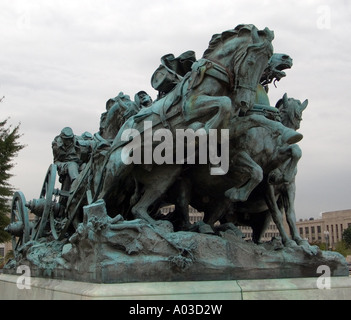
(62, 60)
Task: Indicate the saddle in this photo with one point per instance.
(163, 107)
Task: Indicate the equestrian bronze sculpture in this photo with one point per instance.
(211, 140)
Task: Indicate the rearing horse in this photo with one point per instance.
(221, 84)
(277, 193)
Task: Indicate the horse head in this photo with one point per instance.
(274, 71)
(291, 111)
(244, 53)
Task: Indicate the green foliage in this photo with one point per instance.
(346, 236)
(321, 245)
(342, 248)
(4, 260)
(9, 148)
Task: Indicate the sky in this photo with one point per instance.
(60, 61)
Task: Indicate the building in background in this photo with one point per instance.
(195, 216)
(4, 249)
(328, 229)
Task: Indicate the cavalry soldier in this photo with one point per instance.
(118, 110)
(142, 100)
(66, 152)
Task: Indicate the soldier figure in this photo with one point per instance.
(142, 100)
(66, 153)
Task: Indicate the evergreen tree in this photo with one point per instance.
(9, 148)
(346, 236)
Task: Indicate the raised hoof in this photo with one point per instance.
(290, 136)
(235, 195)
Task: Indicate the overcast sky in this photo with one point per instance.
(60, 61)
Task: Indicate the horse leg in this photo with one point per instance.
(287, 198)
(154, 190)
(114, 175)
(249, 167)
(217, 212)
(240, 125)
(277, 215)
(288, 157)
(182, 203)
(259, 224)
(290, 170)
(203, 106)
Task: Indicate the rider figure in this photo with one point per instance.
(142, 100)
(66, 153)
(118, 110)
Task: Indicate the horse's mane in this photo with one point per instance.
(218, 39)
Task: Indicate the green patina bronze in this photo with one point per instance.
(104, 223)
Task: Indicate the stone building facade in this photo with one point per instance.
(327, 229)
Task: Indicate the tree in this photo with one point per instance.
(346, 236)
(9, 148)
(342, 248)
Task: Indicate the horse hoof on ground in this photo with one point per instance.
(202, 227)
(184, 227)
(290, 244)
(307, 247)
(144, 217)
(230, 226)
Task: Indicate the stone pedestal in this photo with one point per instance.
(266, 289)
